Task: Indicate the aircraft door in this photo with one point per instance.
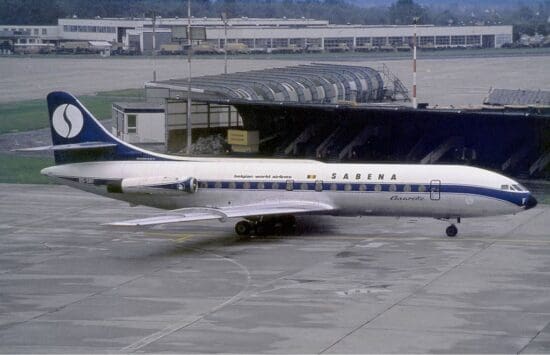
(435, 190)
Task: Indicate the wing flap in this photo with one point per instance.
(251, 210)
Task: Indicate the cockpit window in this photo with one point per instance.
(518, 187)
(504, 187)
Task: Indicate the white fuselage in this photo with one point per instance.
(440, 191)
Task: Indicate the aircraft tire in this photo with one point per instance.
(288, 224)
(243, 228)
(451, 231)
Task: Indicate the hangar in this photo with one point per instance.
(313, 83)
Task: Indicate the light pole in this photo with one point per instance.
(415, 20)
(189, 43)
(224, 19)
(154, 46)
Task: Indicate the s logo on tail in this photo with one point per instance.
(67, 120)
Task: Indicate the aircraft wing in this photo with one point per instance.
(251, 210)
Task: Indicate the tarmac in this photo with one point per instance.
(69, 284)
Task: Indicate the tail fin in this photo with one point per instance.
(78, 136)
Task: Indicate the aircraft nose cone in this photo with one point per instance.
(530, 202)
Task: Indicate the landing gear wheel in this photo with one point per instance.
(288, 224)
(243, 228)
(451, 231)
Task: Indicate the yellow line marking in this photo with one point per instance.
(182, 239)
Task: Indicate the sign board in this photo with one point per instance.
(197, 33)
(241, 137)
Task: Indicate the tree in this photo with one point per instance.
(404, 11)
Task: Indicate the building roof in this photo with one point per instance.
(507, 97)
(139, 106)
(314, 83)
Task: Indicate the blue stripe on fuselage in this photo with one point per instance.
(516, 198)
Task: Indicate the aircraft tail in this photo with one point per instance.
(78, 136)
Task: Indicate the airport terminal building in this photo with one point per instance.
(257, 34)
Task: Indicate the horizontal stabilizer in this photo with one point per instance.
(73, 146)
(252, 210)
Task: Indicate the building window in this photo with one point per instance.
(442, 40)
(362, 41)
(249, 42)
(396, 41)
(426, 41)
(279, 42)
(473, 40)
(378, 41)
(458, 40)
(35, 31)
(44, 31)
(132, 124)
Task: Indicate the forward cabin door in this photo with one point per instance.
(435, 190)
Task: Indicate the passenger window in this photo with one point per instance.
(377, 187)
(407, 188)
(232, 185)
(362, 187)
(218, 185)
(421, 188)
(275, 185)
(246, 185)
(318, 186)
(303, 186)
(333, 187)
(347, 187)
(261, 185)
(393, 188)
(290, 185)
(203, 185)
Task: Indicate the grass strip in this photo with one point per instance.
(23, 170)
(29, 115)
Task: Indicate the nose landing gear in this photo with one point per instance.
(451, 230)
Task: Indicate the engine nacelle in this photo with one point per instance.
(158, 185)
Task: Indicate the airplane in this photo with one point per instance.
(265, 193)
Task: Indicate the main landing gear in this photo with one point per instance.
(266, 226)
(451, 230)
